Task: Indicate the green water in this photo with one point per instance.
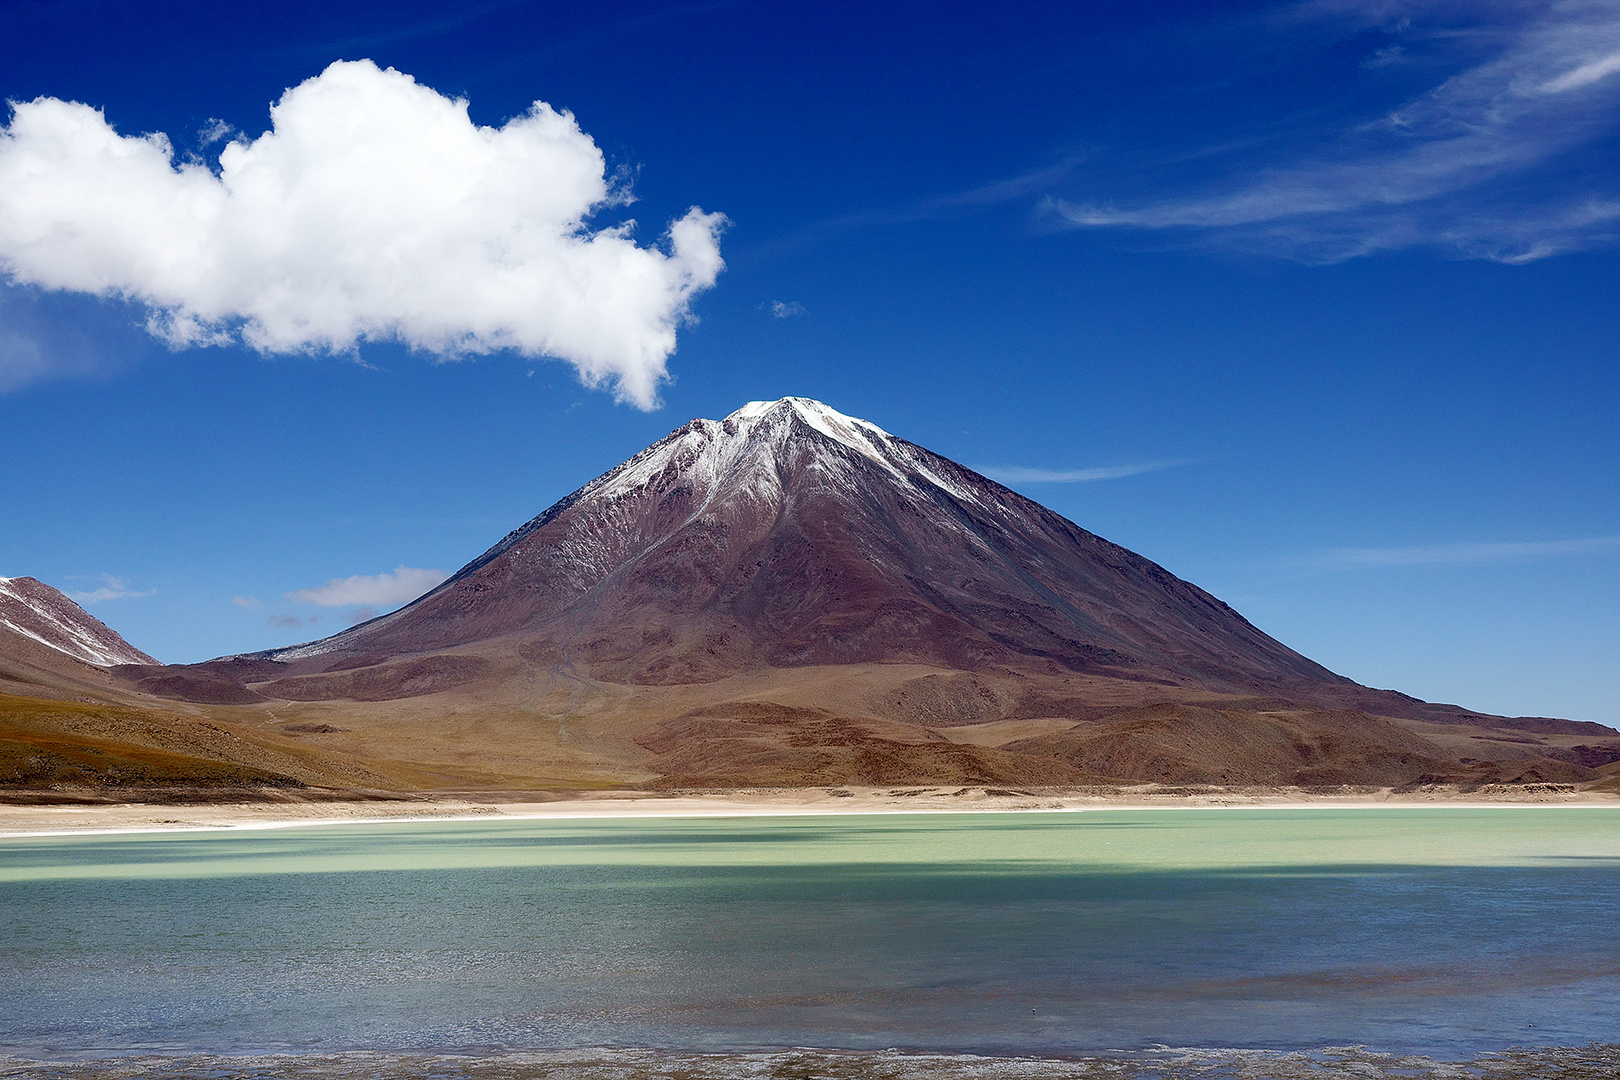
(1267, 841)
(1437, 931)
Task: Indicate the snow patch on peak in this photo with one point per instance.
(862, 436)
(754, 410)
(301, 652)
(824, 418)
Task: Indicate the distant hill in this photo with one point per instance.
(50, 647)
(36, 611)
(70, 732)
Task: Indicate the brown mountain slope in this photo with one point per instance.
(521, 726)
(1183, 744)
(76, 750)
(31, 668)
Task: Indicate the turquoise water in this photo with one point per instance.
(1439, 932)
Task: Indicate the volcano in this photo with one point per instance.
(788, 535)
(792, 595)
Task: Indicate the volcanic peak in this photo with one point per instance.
(745, 457)
(788, 534)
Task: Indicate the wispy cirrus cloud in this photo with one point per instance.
(1018, 474)
(397, 586)
(1027, 186)
(1461, 554)
(111, 588)
(1502, 159)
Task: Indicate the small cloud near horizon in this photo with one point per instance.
(251, 603)
(1460, 554)
(785, 309)
(111, 589)
(1018, 474)
(292, 622)
(398, 586)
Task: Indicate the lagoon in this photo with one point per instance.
(1444, 931)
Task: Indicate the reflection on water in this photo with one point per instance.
(1438, 932)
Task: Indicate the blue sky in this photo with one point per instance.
(1312, 303)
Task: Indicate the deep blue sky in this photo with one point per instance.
(1342, 273)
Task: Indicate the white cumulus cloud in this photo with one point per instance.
(397, 586)
(374, 209)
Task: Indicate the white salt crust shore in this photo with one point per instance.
(21, 821)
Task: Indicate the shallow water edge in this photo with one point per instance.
(1594, 1062)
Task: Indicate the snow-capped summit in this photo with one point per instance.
(860, 435)
(789, 534)
(826, 418)
(750, 452)
(37, 611)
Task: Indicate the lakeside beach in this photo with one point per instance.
(20, 820)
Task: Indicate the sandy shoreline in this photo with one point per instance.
(16, 820)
